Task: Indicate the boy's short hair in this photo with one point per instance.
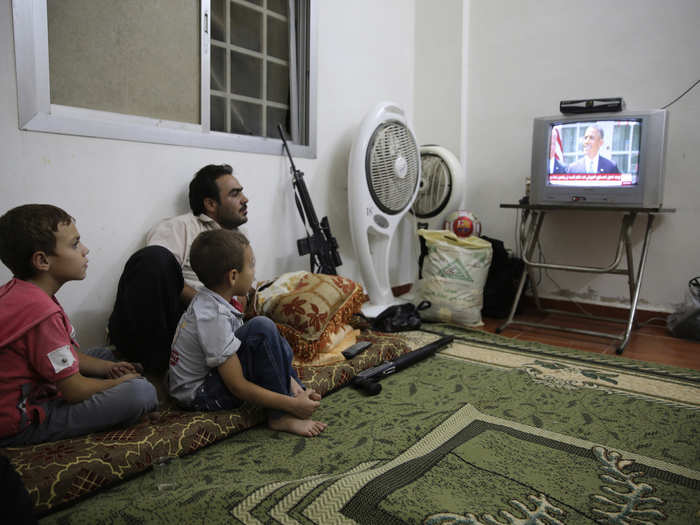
(28, 229)
(216, 252)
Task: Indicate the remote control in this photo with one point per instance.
(355, 349)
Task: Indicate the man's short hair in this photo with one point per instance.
(214, 253)
(28, 229)
(599, 130)
(204, 186)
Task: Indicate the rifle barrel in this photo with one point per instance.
(403, 361)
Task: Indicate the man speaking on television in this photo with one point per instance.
(592, 162)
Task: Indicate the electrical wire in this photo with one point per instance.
(648, 321)
(682, 94)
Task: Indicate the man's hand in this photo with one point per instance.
(305, 404)
(123, 368)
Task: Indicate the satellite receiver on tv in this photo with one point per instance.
(592, 105)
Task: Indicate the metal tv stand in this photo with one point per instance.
(532, 219)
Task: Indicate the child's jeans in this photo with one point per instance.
(266, 360)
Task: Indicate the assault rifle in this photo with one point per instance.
(320, 243)
(367, 379)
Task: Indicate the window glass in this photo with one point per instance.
(277, 38)
(218, 20)
(246, 118)
(218, 114)
(218, 68)
(635, 138)
(277, 83)
(634, 162)
(621, 136)
(277, 116)
(246, 75)
(278, 6)
(246, 27)
(568, 139)
(622, 162)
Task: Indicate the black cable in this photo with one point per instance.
(682, 94)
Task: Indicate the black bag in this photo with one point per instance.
(685, 323)
(399, 318)
(502, 281)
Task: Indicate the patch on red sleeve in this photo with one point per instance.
(61, 358)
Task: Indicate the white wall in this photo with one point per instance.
(438, 96)
(117, 189)
(526, 56)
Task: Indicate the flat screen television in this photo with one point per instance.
(599, 159)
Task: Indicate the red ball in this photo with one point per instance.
(463, 224)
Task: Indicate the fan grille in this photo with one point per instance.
(392, 166)
(435, 186)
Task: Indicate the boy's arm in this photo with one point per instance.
(96, 367)
(187, 294)
(232, 374)
(77, 387)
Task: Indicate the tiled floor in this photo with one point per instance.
(651, 342)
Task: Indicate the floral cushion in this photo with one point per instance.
(310, 309)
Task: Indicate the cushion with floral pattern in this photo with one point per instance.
(309, 309)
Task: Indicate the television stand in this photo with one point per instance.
(531, 225)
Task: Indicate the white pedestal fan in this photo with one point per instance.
(383, 175)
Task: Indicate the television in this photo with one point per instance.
(599, 159)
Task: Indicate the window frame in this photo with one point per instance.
(36, 113)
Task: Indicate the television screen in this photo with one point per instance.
(594, 154)
(599, 159)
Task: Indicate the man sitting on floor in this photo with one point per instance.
(158, 282)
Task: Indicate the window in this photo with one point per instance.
(252, 68)
(625, 146)
(216, 73)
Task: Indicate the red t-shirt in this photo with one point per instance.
(36, 351)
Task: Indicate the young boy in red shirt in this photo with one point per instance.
(48, 389)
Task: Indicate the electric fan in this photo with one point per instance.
(383, 176)
(441, 188)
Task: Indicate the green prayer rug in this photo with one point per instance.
(490, 430)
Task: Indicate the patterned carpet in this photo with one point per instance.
(491, 430)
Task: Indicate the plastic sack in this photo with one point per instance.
(453, 274)
(686, 322)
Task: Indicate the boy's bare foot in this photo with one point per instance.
(294, 425)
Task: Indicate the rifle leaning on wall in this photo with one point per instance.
(320, 243)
